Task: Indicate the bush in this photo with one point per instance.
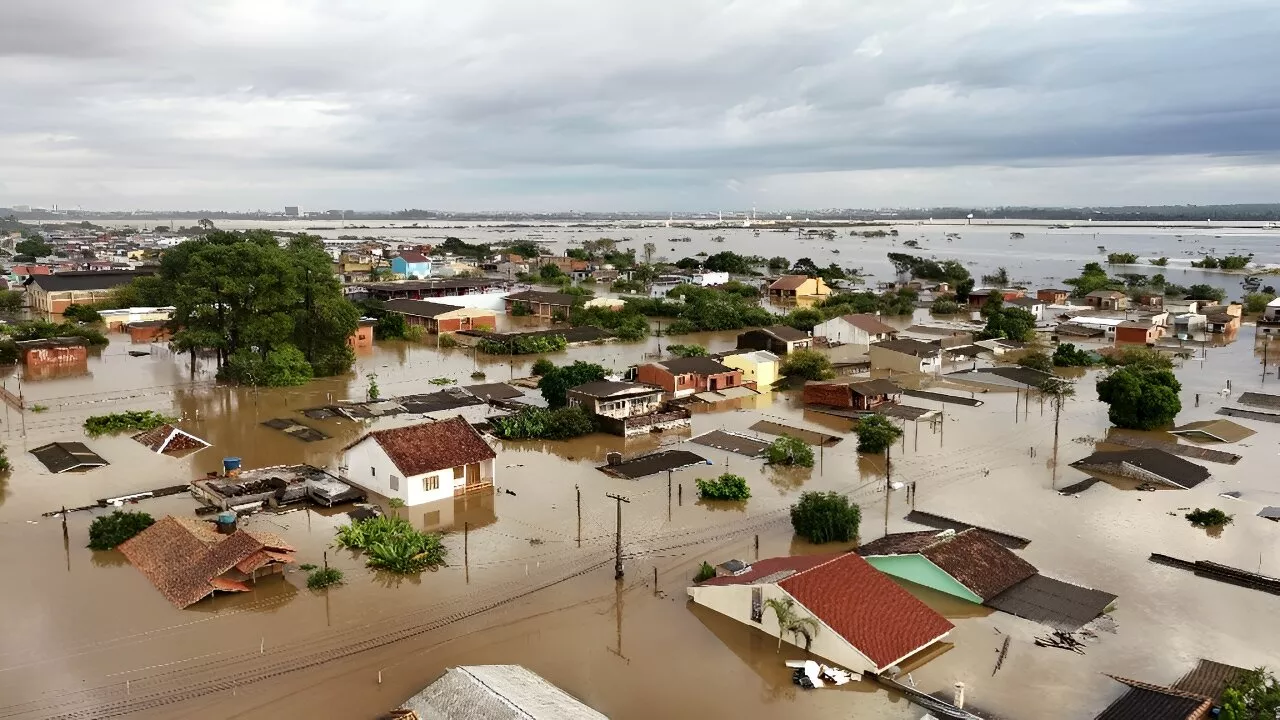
(478, 375)
(542, 367)
(807, 364)
(520, 309)
(446, 341)
(1068, 355)
(523, 345)
(322, 578)
(108, 531)
(281, 367)
(541, 424)
(43, 330)
(1212, 517)
(1257, 302)
(626, 286)
(726, 487)
(132, 420)
(81, 313)
(1142, 397)
(393, 544)
(705, 572)
(825, 517)
(787, 450)
(1036, 360)
(1122, 258)
(1205, 292)
(626, 324)
(686, 351)
(944, 306)
(5, 466)
(1137, 356)
(876, 433)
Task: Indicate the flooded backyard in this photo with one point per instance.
(88, 636)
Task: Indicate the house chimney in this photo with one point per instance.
(959, 697)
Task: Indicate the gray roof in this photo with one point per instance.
(1172, 468)
(785, 333)
(907, 346)
(418, 308)
(695, 366)
(611, 388)
(87, 280)
(496, 692)
(544, 298)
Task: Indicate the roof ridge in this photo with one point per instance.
(837, 558)
(1158, 688)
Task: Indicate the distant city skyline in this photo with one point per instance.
(663, 106)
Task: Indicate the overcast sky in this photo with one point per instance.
(637, 104)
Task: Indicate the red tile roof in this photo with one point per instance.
(429, 447)
(861, 604)
(413, 256)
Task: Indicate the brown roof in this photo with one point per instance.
(872, 388)
(1145, 701)
(861, 604)
(972, 557)
(869, 323)
(183, 557)
(1209, 678)
(168, 439)
(425, 448)
(789, 282)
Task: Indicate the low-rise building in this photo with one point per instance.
(777, 339)
(905, 355)
(435, 287)
(411, 265)
(1269, 323)
(1035, 306)
(542, 304)
(1222, 318)
(421, 463)
(627, 409)
(441, 318)
(1053, 296)
(52, 294)
(792, 287)
(867, 623)
(980, 296)
(493, 692)
(969, 564)
(362, 336)
(685, 376)
(760, 368)
(857, 329)
(1107, 300)
(854, 395)
(147, 331)
(1137, 332)
(116, 319)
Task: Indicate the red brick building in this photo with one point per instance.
(441, 318)
(147, 331)
(363, 336)
(686, 376)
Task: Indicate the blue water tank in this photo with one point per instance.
(226, 518)
(231, 463)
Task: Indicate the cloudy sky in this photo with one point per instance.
(637, 104)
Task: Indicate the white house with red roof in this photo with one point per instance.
(867, 622)
(421, 463)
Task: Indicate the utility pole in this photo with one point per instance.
(466, 549)
(578, 490)
(617, 536)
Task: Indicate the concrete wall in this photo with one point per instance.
(369, 467)
(839, 330)
(919, 570)
(763, 374)
(69, 355)
(886, 359)
(735, 602)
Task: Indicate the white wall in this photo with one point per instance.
(369, 467)
(486, 301)
(839, 330)
(735, 602)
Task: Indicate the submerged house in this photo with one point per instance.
(1198, 695)
(856, 329)
(777, 339)
(1146, 465)
(969, 564)
(860, 395)
(626, 409)
(188, 559)
(867, 623)
(791, 287)
(438, 318)
(493, 692)
(759, 367)
(421, 463)
(904, 355)
(685, 376)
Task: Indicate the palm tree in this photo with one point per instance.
(649, 250)
(789, 621)
(1058, 391)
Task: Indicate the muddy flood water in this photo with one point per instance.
(86, 635)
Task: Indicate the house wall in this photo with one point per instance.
(735, 601)
(763, 374)
(69, 355)
(401, 267)
(657, 375)
(55, 302)
(148, 334)
(1053, 298)
(617, 408)
(839, 330)
(886, 359)
(362, 337)
(829, 394)
(1137, 336)
(369, 467)
(919, 570)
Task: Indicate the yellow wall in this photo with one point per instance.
(763, 374)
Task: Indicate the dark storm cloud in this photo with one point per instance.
(696, 103)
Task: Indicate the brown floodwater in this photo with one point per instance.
(87, 636)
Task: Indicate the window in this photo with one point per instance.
(430, 482)
(373, 472)
(395, 483)
(459, 472)
(757, 604)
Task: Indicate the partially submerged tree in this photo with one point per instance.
(822, 517)
(108, 531)
(687, 351)
(1254, 695)
(1058, 391)
(1142, 396)
(1037, 360)
(790, 621)
(726, 487)
(808, 365)
(788, 450)
(1068, 355)
(876, 433)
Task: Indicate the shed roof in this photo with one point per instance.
(421, 308)
(973, 558)
(871, 388)
(169, 439)
(61, 457)
(789, 282)
(786, 333)
(861, 604)
(695, 366)
(413, 256)
(1220, 430)
(869, 323)
(544, 298)
(1209, 678)
(428, 447)
(612, 388)
(1144, 701)
(87, 279)
(496, 692)
(907, 346)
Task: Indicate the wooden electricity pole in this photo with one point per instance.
(617, 537)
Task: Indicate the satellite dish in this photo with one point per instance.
(970, 216)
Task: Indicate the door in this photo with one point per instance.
(473, 476)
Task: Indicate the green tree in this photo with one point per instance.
(807, 364)
(1205, 292)
(790, 621)
(1142, 397)
(1254, 695)
(876, 433)
(550, 273)
(649, 250)
(788, 450)
(778, 264)
(373, 393)
(685, 351)
(1036, 360)
(728, 261)
(541, 424)
(1012, 323)
(35, 247)
(726, 487)
(542, 366)
(944, 306)
(108, 531)
(81, 313)
(282, 367)
(11, 300)
(823, 517)
(1257, 302)
(556, 383)
(803, 318)
(1059, 391)
(1068, 355)
(526, 249)
(1092, 277)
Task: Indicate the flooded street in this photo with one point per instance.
(88, 636)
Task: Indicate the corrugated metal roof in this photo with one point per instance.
(496, 692)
